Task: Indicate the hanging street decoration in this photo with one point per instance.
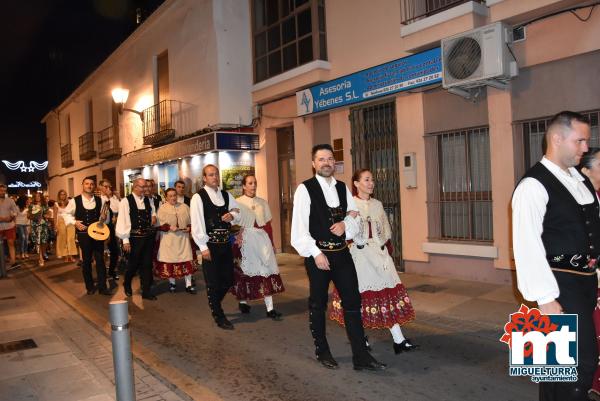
(33, 165)
(21, 184)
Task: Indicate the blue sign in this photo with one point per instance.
(399, 75)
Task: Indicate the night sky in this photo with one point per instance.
(48, 48)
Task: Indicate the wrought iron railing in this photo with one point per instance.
(158, 124)
(108, 143)
(414, 10)
(86, 146)
(66, 156)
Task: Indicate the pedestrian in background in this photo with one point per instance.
(65, 229)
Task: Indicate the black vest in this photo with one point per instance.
(322, 216)
(568, 227)
(87, 216)
(141, 220)
(216, 229)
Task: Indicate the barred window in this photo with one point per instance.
(459, 185)
(534, 131)
(286, 34)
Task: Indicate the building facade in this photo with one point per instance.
(445, 166)
(187, 90)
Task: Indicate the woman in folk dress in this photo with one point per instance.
(256, 274)
(174, 259)
(385, 302)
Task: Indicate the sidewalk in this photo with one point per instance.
(71, 359)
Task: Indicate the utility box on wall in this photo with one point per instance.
(409, 170)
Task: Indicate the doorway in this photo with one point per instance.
(286, 158)
(375, 146)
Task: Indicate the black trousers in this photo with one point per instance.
(343, 275)
(113, 247)
(218, 276)
(577, 295)
(140, 261)
(92, 248)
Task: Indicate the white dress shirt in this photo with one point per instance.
(197, 214)
(69, 210)
(301, 239)
(123, 227)
(534, 277)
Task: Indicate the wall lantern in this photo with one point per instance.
(120, 96)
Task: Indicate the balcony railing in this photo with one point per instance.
(66, 156)
(86, 146)
(158, 124)
(108, 143)
(414, 10)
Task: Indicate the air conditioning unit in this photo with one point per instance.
(478, 57)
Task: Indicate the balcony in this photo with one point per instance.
(66, 156)
(158, 127)
(414, 10)
(86, 146)
(108, 143)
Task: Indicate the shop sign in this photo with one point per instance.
(199, 144)
(396, 76)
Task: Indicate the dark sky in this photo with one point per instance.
(48, 48)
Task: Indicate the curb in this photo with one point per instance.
(143, 355)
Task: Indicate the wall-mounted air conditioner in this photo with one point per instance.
(479, 57)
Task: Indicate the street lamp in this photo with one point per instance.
(120, 96)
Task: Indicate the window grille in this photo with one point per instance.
(459, 187)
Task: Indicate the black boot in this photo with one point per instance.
(361, 358)
(316, 317)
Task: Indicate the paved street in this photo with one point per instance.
(458, 325)
(70, 359)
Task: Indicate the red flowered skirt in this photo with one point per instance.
(174, 270)
(380, 309)
(252, 287)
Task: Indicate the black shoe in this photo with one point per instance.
(149, 297)
(327, 361)
(273, 314)
(128, 290)
(114, 275)
(191, 290)
(172, 288)
(404, 346)
(367, 344)
(223, 323)
(371, 365)
(105, 291)
(91, 291)
(244, 308)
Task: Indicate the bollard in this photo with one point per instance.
(121, 345)
(2, 259)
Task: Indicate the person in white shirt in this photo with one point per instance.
(556, 243)
(87, 209)
(181, 196)
(212, 213)
(320, 227)
(256, 274)
(107, 195)
(135, 226)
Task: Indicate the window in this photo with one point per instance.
(286, 34)
(534, 131)
(459, 186)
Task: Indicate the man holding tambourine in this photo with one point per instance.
(87, 210)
